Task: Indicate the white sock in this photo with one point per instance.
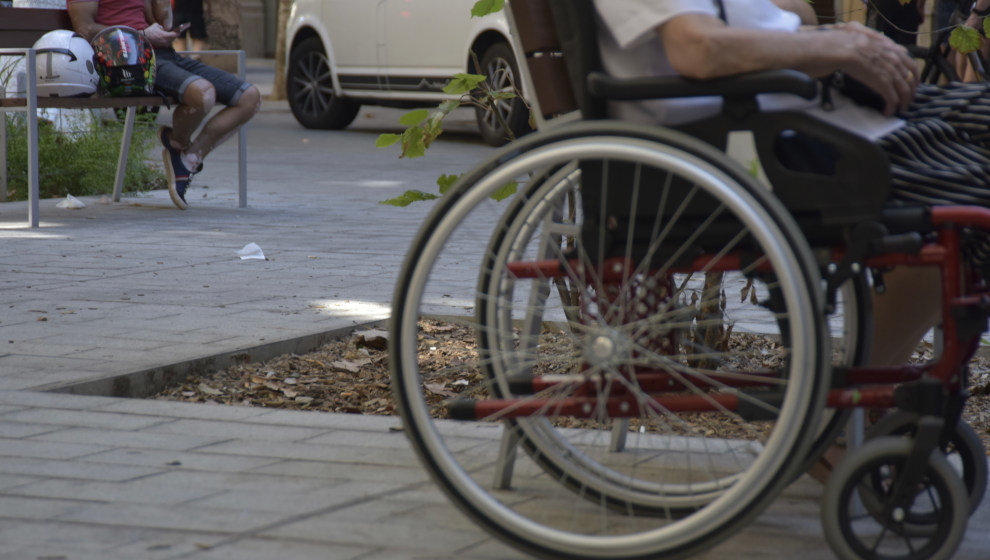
(190, 161)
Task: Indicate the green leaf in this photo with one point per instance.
(463, 83)
(964, 39)
(445, 182)
(484, 7)
(433, 128)
(408, 197)
(754, 168)
(412, 118)
(413, 145)
(449, 105)
(386, 140)
(506, 191)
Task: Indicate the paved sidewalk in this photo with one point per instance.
(111, 298)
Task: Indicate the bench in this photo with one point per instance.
(19, 29)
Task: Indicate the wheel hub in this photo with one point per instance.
(608, 348)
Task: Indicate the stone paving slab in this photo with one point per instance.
(142, 267)
(239, 482)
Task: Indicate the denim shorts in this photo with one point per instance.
(174, 73)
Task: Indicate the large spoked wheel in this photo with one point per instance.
(551, 202)
(653, 425)
(506, 118)
(963, 449)
(869, 474)
(310, 89)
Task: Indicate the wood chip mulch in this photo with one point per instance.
(352, 376)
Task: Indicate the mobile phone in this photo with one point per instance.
(181, 28)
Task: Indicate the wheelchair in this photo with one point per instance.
(669, 342)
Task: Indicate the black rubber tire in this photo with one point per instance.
(310, 89)
(498, 63)
(964, 443)
(843, 526)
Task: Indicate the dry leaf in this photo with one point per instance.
(204, 388)
(377, 339)
(346, 365)
(440, 389)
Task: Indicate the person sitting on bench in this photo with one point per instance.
(197, 86)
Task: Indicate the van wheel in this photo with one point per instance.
(498, 64)
(310, 89)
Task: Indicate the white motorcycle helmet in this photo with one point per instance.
(65, 65)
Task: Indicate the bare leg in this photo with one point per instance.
(224, 124)
(904, 313)
(198, 100)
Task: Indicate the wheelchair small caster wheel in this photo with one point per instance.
(964, 450)
(862, 522)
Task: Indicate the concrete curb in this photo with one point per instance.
(144, 383)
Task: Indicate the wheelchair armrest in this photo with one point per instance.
(605, 86)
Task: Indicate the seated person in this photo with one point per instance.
(197, 86)
(936, 137)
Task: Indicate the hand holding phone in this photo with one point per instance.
(181, 28)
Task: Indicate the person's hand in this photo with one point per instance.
(883, 65)
(158, 36)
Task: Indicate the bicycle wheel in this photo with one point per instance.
(711, 425)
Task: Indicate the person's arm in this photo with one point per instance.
(975, 20)
(83, 16)
(159, 15)
(703, 47)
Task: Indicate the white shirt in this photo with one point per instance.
(631, 47)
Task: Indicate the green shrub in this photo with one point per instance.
(82, 163)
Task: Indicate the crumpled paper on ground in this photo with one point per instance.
(71, 202)
(251, 251)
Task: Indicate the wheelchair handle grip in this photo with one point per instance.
(605, 86)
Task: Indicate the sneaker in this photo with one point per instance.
(178, 175)
(164, 134)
